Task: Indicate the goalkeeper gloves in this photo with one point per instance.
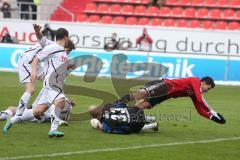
(217, 117)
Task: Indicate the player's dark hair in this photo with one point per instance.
(61, 33)
(96, 112)
(70, 45)
(208, 81)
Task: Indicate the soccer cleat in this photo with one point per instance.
(7, 126)
(63, 123)
(156, 126)
(55, 134)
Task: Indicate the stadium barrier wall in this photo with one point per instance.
(165, 39)
(223, 69)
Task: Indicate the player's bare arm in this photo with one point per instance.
(37, 28)
(34, 69)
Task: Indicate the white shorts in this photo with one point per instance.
(25, 69)
(65, 114)
(49, 95)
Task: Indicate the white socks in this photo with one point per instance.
(23, 103)
(5, 114)
(26, 116)
(55, 113)
(150, 118)
(149, 126)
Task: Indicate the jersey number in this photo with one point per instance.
(120, 117)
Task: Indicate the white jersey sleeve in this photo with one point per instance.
(45, 42)
(49, 50)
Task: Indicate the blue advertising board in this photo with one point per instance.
(221, 68)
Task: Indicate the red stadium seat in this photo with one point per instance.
(169, 23)
(182, 23)
(222, 3)
(127, 9)
(119, 20)
(103, 8)
(177, 12)
(81, 18)
(156, 22)
(94, 18)
(207, 24)
(190, 12)
(234, 3)
(215, 13)
(143, 21)
(115, 8)
(210, 3)
(185, 2)
(202, 13)
(131, 21)
(171, 2)
(152, 11)
(164, 11)
(106, 20)
(140, 10)
(228, 14)
(91, 7)
(194, 24)
(237, 15)
(199, 3)
(233, 26)
(222, 25)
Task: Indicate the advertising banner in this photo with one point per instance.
(221, 68)
(165, 40)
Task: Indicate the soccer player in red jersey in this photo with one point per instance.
(158, 91)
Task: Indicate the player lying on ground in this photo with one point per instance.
(64, 115)
(158, 91)
(118, 118)
(54, 56)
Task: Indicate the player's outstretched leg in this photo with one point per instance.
(7, 126)
(9, 112)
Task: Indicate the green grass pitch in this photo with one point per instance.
(181, 135)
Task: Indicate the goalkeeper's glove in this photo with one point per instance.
(217, 117)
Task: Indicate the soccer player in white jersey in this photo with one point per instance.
(25, 69)
(55, 65)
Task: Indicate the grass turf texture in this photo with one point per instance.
(179, 122)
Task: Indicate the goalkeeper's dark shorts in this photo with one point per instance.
(157, 92)
(137, 119)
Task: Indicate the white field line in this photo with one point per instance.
(119, 149)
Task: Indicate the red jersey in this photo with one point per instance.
(189, 87)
